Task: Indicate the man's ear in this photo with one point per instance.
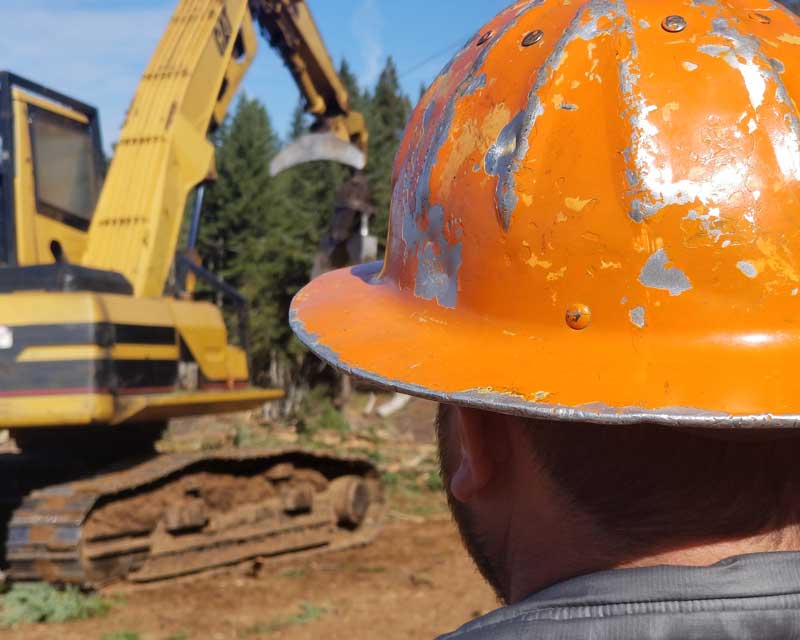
(484, 449)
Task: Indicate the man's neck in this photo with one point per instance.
(583, 549)
(708, 553)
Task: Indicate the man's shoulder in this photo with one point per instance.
(496, 625)
(756, 595)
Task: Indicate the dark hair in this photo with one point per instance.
(652, 486)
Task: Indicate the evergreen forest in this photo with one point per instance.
(260, 233)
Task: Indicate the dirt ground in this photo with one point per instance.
(414, 581)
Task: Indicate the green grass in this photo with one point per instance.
(412, 482)
(249, 436)
(121, 635)
(404, 482)
(317, 413)
(308, 613)
(45, 603)
(293, 573)
(375, 456)
(371, 569)
(244, 437)
(331, 419)
(434, 481)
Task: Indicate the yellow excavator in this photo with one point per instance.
(101, 341)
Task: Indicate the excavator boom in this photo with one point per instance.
(163, 152)
(291, 30)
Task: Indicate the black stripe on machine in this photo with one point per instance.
(138, 374)
(75, 376)
(143, 334)
(102, 334)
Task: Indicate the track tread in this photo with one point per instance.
(45, 537)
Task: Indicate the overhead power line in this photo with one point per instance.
(434, 56)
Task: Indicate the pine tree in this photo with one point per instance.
(237, 203)
(260, 234)
(300, 121)
(237, 211)
(387, 116)
(280, 262)
(359, 101)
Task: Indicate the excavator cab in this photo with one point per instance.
(51, 172)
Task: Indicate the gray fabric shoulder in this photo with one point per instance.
(756, 595)
(773, 617)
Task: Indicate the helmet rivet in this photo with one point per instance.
(759, 17)
(674, 24)
(578, 316)
(532, 38)
(484, 38)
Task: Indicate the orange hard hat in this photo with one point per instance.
(595, 217)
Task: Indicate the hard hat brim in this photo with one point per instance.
(366, 327)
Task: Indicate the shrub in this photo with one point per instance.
(44, 603)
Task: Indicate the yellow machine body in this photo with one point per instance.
(110, 359)
(95, 326)
(78, 346)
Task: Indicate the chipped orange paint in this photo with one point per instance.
(687, 146)
(576, 204)
(667, 109)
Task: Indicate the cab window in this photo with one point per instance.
(65, 167)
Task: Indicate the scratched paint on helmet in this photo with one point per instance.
(438, 261)
(506, 156)
(637, 316)
(744, 54)
(658, 274)
(435, 252)
(675, 169)
(747, 268)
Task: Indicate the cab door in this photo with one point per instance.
(58, 176)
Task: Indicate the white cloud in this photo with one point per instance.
(95, 54)
(366, 26)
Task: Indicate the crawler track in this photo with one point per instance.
(179, 514)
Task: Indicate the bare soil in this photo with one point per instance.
(414, 581)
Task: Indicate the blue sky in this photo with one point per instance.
(95, 50)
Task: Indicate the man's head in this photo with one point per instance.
(593, 219)
(540, 501)
(594, 226)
